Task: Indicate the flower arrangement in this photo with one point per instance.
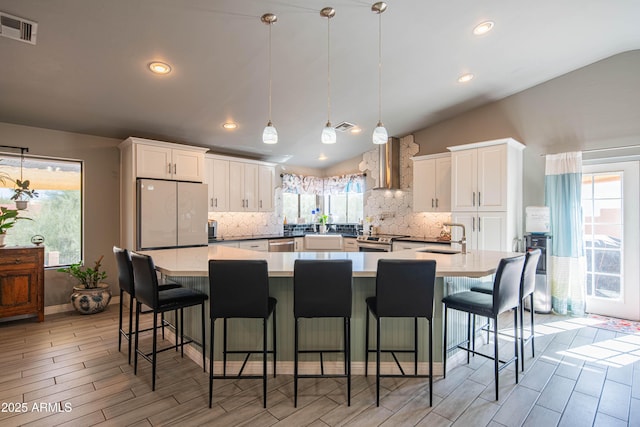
(87, 276)
(320, 218)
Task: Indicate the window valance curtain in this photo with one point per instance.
(299, 184)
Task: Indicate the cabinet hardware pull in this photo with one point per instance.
(260, 204)
(478, 224)
(17, 261)
(432, 203)
(212, 202)
(175, 169)
(436, 203)
(474, 199)
(479, 199)
(216, 202)
(169, 170)
(473, 224)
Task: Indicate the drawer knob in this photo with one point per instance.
(17, 261)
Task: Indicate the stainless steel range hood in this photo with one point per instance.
(389, 165)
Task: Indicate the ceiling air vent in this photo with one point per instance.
(18, 28)
(344, 126)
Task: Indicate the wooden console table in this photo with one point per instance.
(22, 281)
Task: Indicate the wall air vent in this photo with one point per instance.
(17, 28)
(344, 126)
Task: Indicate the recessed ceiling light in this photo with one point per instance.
(160, 67)
(322, 157)
(356, 130)
(230, 125)
(483, 28)
(465, 78)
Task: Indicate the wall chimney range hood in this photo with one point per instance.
(389, 165)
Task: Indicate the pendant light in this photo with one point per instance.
(380, 135)
(328, 133)
(270, 134)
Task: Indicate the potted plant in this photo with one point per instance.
(8, 218)
(90, 295)
(322, 220)
(22, 194)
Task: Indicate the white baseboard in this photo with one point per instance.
(61, 308)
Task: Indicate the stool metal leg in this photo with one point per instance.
(521, 313)
(495, 353)
(264, 360)
(377, 361)
(431, 363)
(295, 365)
(130, 324)
(533, 335)
(224, 347)
(275, 341)
(135, 356)
(204, 361)
(347, 334)
(182, 332)
(444, 345)
(120, 325)
(212, 324)
(154, 355)
(366, 344)
(415, 345)
(515, 340)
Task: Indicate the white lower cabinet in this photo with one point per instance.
(298, 244)
(229, 244)
(349, 244)
(255, 245)
(486, 230)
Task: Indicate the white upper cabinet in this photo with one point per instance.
(237, 185)
(432, 183)
(217, 179)
(265, 188)
(161, 160)
(486, 193)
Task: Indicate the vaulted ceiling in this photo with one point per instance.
(88, 71)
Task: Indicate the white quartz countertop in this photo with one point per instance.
(194, 261)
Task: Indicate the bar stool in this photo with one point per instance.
(240, 289)
(125, 282)
(505, 297)
(322, 288)
(404, 288)
(527, 288)
(147, 292)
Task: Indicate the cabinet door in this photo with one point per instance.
(265, 188)
(187, 165)
(236, 187)
(492, 231)
(298, 244)
(153, 162)
(492, 178)
(470, 222)
(424, 186)
(217, 179)
(442, 184)
(251, 179)
(464, 167)
(18, 291)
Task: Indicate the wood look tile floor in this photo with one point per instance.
(68, 371)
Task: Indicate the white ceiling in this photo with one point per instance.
(88, 72)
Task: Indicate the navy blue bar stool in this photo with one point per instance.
(505, 297)
(322, 288)
(404, 288)
(147, 292)
(240, 289)
(125, 282)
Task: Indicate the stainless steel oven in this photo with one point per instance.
(375, 243)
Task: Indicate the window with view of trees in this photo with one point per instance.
(56, 213)
(344, 208)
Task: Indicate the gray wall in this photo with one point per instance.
(593, 107)
(101, 195)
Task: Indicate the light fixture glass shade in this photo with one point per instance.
(380, 135)
(328, 134)
(270, 134)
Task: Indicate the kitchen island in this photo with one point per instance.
(454, 272)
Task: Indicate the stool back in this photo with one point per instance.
(145, 280)
(404, 288)
(238, 288)
(322, 288)
(506, 285)
(125, 270)
(528, 282)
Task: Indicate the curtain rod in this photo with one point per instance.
(595, 150)
(22, 149)
(363, 174)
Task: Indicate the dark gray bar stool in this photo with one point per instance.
(505, 297)
(240, 289)
(148, 293)
(404, 288)
(125, 282)
(322, 288)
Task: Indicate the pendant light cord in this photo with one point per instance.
(380, 68)
(328, 69)
(270, 24)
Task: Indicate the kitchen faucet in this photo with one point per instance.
(463, 240)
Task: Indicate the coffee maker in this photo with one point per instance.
(213, 229)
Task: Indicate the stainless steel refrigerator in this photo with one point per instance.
(171, 214)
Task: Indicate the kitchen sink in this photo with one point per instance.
(323, 242)
(439, 251)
